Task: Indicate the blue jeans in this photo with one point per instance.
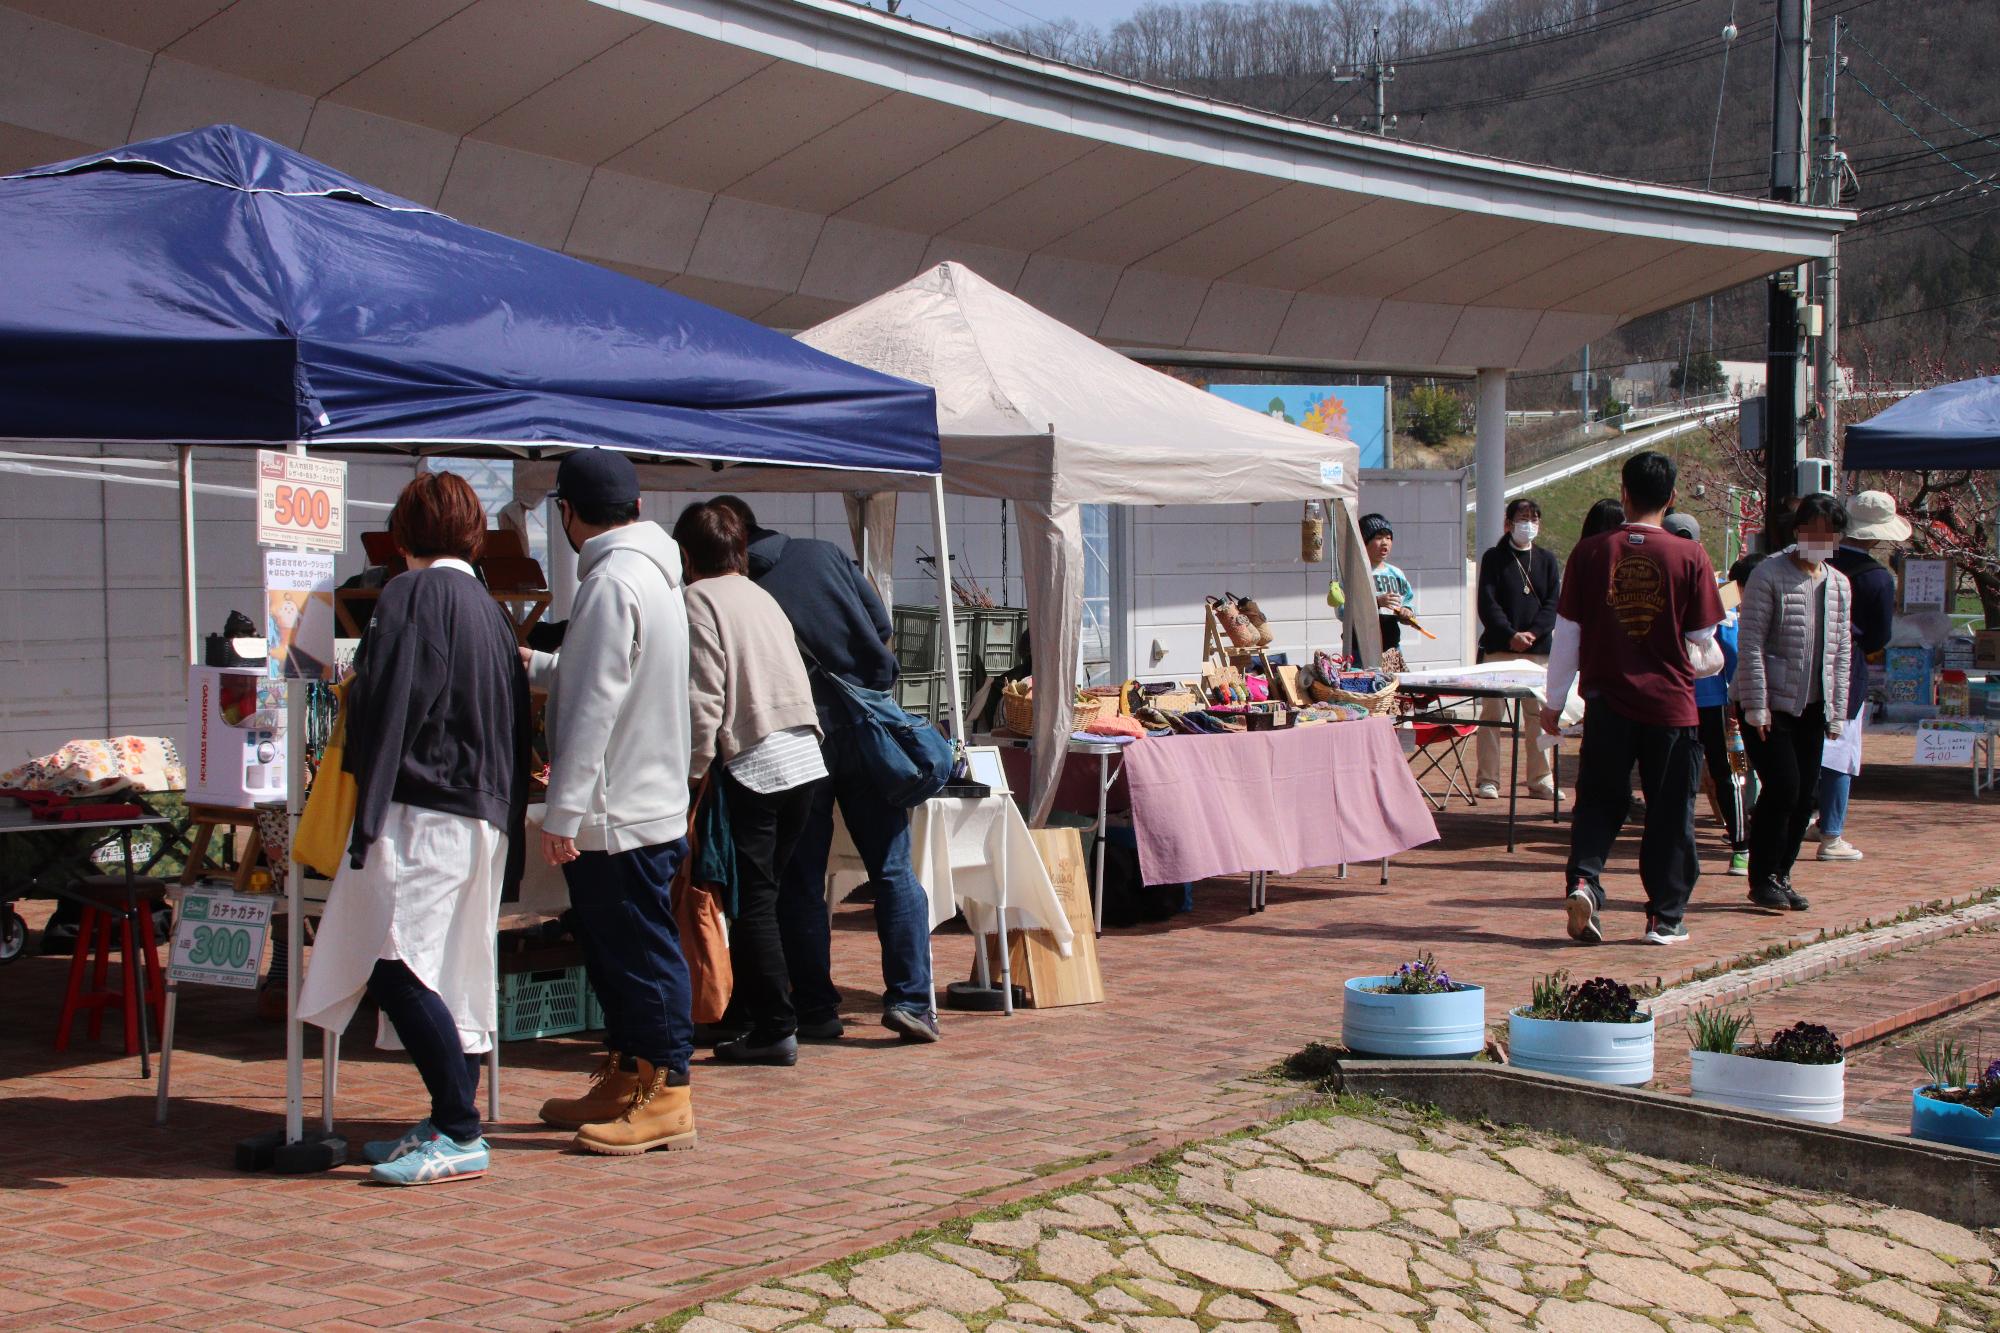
(1833, 788)
(632, 950)
(881, 833)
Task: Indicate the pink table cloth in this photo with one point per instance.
(1281, 801)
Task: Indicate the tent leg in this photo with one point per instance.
(947, 627)
(295, 781)
(190, 621)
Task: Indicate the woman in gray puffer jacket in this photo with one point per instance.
(1793, 658)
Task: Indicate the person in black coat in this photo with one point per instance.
(1518, 583)
(1873, 519)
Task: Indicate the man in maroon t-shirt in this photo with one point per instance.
(1634, 626)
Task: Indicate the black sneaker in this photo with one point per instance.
(822, 1029)
(714, 1034)
(1767, 895)
(1794, 900)
(751, 1051)
(911, 1025)
(1581, 905)
(1659, 932)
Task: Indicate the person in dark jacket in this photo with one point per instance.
(844, 629)
(437, 742)
(1518, 584)
(1872, 519)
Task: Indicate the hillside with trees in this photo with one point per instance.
(1649, 90)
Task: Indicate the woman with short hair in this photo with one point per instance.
(437, 742)
(1794, 653)
(751, 706)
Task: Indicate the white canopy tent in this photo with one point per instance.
(1032, 411)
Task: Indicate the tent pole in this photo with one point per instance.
(295, 781)
(947, 626)
(190, 620)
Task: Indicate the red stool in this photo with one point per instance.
(103, 923)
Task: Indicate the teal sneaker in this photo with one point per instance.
(377, 1151)
(433, 1163)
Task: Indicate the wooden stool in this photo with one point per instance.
(140, 964)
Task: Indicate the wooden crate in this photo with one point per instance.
(1050, 980)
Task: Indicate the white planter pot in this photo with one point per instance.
(1775, 1087)
(1620, 1053)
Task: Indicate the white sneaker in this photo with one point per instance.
(1812, 831)
(1838, 849)
(1489, 791)
(1546, 790)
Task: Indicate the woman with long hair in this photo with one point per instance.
(437, 733)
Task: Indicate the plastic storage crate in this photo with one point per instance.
(924, 693)
(996, 632)
(553, 1002)
(916, 628)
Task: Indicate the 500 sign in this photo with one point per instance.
(301, 502)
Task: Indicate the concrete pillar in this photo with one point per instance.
(1490, 457)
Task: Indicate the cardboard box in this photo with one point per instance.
(234, 758)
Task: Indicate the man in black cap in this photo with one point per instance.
(617, 819)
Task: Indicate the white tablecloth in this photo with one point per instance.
(955, 847)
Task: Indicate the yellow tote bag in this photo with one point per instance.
(321, 842)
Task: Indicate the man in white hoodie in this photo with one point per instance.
(617, 819)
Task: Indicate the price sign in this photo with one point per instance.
(219, 938)
(1926, 585)
(301, 502)
(1943, 746)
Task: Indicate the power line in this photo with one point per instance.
(1915, 133)
(1956, 123)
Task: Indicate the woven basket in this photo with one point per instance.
(1017, 710)
(1381, 703)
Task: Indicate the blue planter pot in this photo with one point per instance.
(1946, 1122)
(1620, 1053)
(1447, 1026)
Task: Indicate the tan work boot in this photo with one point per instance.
(611, 1089)
(657, 1116)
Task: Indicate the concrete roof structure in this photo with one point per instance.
(787, 159)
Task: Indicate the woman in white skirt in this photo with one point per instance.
(437, 733)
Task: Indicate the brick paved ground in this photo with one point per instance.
(109, 1222)
(1880, 1077)
(1858, 1002)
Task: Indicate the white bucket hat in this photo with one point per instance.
(1872, 517)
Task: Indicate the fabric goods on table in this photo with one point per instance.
(100, 767)
(1281, 801)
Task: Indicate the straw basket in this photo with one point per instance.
(1381, 703)
(1017, 709)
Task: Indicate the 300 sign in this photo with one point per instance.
(219, 946)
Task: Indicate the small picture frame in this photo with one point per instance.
(986, 768)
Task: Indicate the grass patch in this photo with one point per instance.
(1061, 1165)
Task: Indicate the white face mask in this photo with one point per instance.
(1525, 533)
(1818, 552)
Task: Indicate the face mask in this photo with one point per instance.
(1525, 533)
(1818, 552)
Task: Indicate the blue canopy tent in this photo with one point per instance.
(216, 288)
(1951, 426)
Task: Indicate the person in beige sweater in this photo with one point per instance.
(755, 732)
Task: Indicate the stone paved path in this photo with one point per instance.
(1374, 1219)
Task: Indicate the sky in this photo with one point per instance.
(981, 16)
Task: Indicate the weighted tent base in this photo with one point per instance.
(972, 998)
(269, 1152)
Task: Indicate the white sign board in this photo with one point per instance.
(1945, 746)
(219, 938)
(298, 615)
(301, 502)
(1925, 585)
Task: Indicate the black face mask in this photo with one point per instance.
(564, 513)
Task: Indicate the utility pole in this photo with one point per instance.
(1381, 74)
(1788, 184)
(1583, 381)
(1832, 175)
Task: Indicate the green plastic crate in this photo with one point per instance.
(915, 629)
(553, 1002)
(996, 631)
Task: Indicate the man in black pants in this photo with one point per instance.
(1634, 627)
